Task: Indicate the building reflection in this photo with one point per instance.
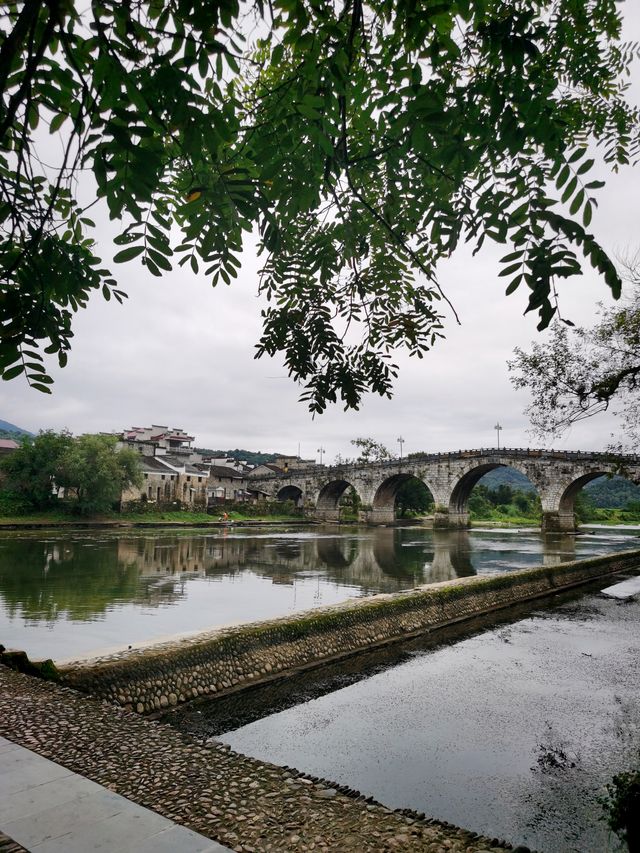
(380, 560)
(82, 576)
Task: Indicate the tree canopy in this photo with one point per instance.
(95, 472)
(370, 450)
(30, 472)
(361, 141)
(581, 372)
(90, 470)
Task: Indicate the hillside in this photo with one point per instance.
(253, 457)
(507, 477)
(9, 430)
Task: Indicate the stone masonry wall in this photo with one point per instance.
(225, 660)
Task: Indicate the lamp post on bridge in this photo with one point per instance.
(497, 428)
(400, 441)
(320, 451)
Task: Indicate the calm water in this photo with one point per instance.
(512, 732)
(65, 594)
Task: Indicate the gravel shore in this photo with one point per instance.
(243, 803)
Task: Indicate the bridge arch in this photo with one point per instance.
(564, 519)
(458, 510)
(328, 501)
(383, 508)
(290, 493)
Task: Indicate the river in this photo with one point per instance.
(65, 594)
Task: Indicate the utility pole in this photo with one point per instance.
(400, 441)
(320, 451)
(497, 428)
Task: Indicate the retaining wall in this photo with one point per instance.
(225, 660)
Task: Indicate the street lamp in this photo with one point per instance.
(320, 451)
(497, 428)
(400, 441)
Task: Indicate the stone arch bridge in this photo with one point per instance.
(558, 476)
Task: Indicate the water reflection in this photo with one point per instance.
(239, 575)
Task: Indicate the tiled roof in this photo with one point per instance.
(153, 463)
(223, 471)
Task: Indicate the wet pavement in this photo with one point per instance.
(512, 732)
(247, 805)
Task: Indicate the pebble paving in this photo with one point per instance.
(245, 804)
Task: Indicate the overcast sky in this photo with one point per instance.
(181, 353)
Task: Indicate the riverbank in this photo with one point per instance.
(52, 521)
(248, 805)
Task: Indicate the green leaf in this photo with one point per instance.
(513, 284)
(563, 176)
(576, 204)
(12, 372)
(57, 121)
(584, 167)
(510, 269)
(128, 254)
(307, 111)
(569, 189)
(577, 154)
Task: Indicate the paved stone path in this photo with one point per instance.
(245, 804)
(49, 809)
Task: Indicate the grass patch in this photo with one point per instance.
(56, 517)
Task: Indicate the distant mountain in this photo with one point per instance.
(507, 477)
(11, 429)
(613, 492)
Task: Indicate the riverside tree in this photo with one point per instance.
(580, 372)
(30, 474)
(90, 470)
(362, 142)
(370, 450)
(95, 472)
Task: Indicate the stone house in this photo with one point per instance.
(167, 479)
(225, 484)
(158, 440)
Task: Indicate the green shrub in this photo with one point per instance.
(622, 808)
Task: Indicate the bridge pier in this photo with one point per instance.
(381, 515)
(330, 516)
(446, 518)
(558, 522)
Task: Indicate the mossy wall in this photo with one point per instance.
(224, 660)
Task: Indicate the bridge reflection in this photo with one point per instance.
(81, 576)
(375, 560)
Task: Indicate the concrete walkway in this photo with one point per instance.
(48, 809)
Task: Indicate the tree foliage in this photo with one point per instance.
(581, 372)
(504, 500)
(95, 472)
(364, 141)
(413, 497)
(90, 471)
(370, 450)
(30, 473)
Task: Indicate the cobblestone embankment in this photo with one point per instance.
(216, 662)
(240, 802)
